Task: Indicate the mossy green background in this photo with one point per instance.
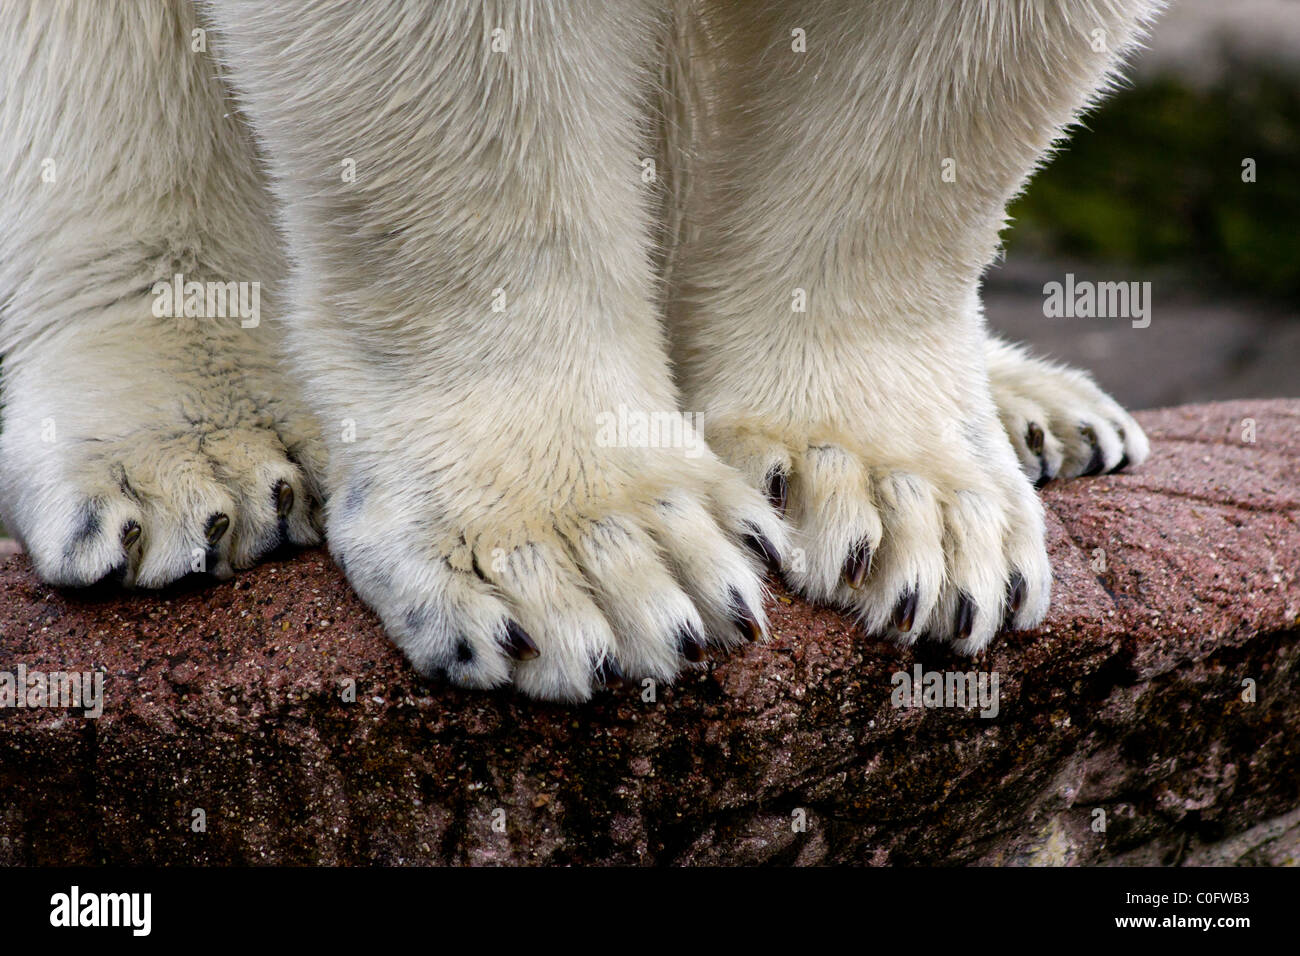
(1154, 178)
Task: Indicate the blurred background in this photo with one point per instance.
(1151, 189)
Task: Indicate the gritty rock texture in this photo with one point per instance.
(1175, 595)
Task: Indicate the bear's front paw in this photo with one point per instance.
(596, 568)
(186, 454)
(1059, 422)
(944, 539)
(160, 502)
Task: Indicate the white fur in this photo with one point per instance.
(112, 415)
(822, 171)
(461, 313)
(1063, 404)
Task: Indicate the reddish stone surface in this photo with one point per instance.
(228, 698)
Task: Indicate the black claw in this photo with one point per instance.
(1034, 439)
(965, 616)
(746, 621)
(778, 490)
(283, 493)
(130, 533)
(115, 575)
(761, 546)
(216, 528)
(905, 610)
(690, 645)
(464, 653)
(856, 565)
(1097, 461)
(518, 644)
(609, 675)
(1016, 593)
(1123, 458)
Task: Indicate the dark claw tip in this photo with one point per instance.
(115, 575)
(857, 564)
(778, 491)
(1016, 596)
(217, 525)
(518, 644)
(1097, 461)
(1123, 463)
(130, 533)
(283, 499)
(746, 621)
(1034, 438)
(905, 610)
(758, 542)
(965, 616)
(692, 648)
(609, 675)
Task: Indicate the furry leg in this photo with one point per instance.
(846, 192)
(462, 195)
(142, 440)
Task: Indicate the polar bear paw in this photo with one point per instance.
(613, 575)
(154, 505)
(946, 544)
(1059, 422)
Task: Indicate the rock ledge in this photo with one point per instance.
(1175, 590)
